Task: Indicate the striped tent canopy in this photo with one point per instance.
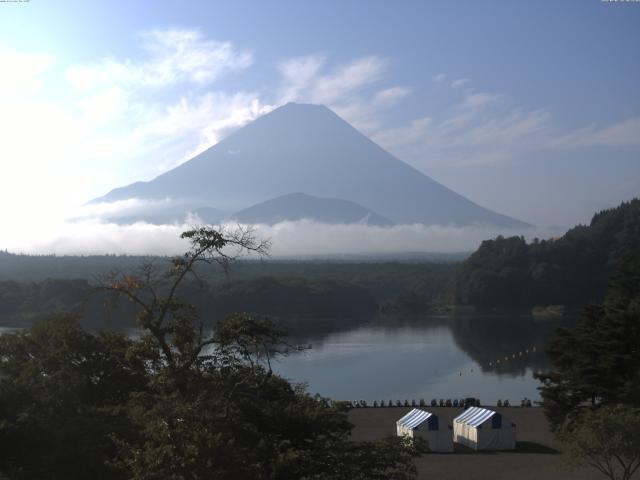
(474, 416)
(414, 418)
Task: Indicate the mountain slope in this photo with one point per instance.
(298, 206)
(571, 270)
(308, 148)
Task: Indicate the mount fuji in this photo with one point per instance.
(303, 149)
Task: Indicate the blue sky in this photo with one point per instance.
(529, 108)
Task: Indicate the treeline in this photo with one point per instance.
(572, 270)
(29, 268)
(35, 268)
(321, 291)
(288, 295)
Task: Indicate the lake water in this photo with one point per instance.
(488, 357)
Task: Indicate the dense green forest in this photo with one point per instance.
(35, 268)
(571, 270)
(283, 289)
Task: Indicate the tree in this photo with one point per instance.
(597, 362)
(214, 404)
(171, 323)
(62, 395)
(607, 439)
(183, 401)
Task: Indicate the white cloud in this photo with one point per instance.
(102, 130)
(118, 207)
(391, 95)
(481, 128)
(108, 105)
(297, 238)
(344, 88)
(175, 55)
(347, 79)
(96, 237)
(21, 72)
(406, 135)
(477, 100)
(304, 80)
(215, 117)
(298, 74)
(163, 128)
(439, 78)
(459, 82)
(622, 134)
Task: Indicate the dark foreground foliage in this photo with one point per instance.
(592, 396)
(598, 361)
(176, 403)
(74, 405)
(607, 439)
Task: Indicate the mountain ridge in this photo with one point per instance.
(308, 148)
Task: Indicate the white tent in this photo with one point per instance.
(418, 423)
(483, 429)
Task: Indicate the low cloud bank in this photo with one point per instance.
(117, 208)
(289, 239)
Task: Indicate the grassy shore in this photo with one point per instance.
(538, 454)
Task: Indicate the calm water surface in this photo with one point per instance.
(445, 357)
(429, 357)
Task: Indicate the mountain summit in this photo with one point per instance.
(309, 149)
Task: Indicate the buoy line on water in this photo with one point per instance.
(513, 356)
(506, 358)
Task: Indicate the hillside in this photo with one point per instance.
(572, 270)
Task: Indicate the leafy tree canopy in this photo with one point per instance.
(607, 439)
(598, 361)
(178, 402)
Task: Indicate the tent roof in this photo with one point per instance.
(474, 416)
(414, 418)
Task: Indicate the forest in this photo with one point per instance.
(572, 270)
(303, 289)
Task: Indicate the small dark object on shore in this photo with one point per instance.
(471, 402)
